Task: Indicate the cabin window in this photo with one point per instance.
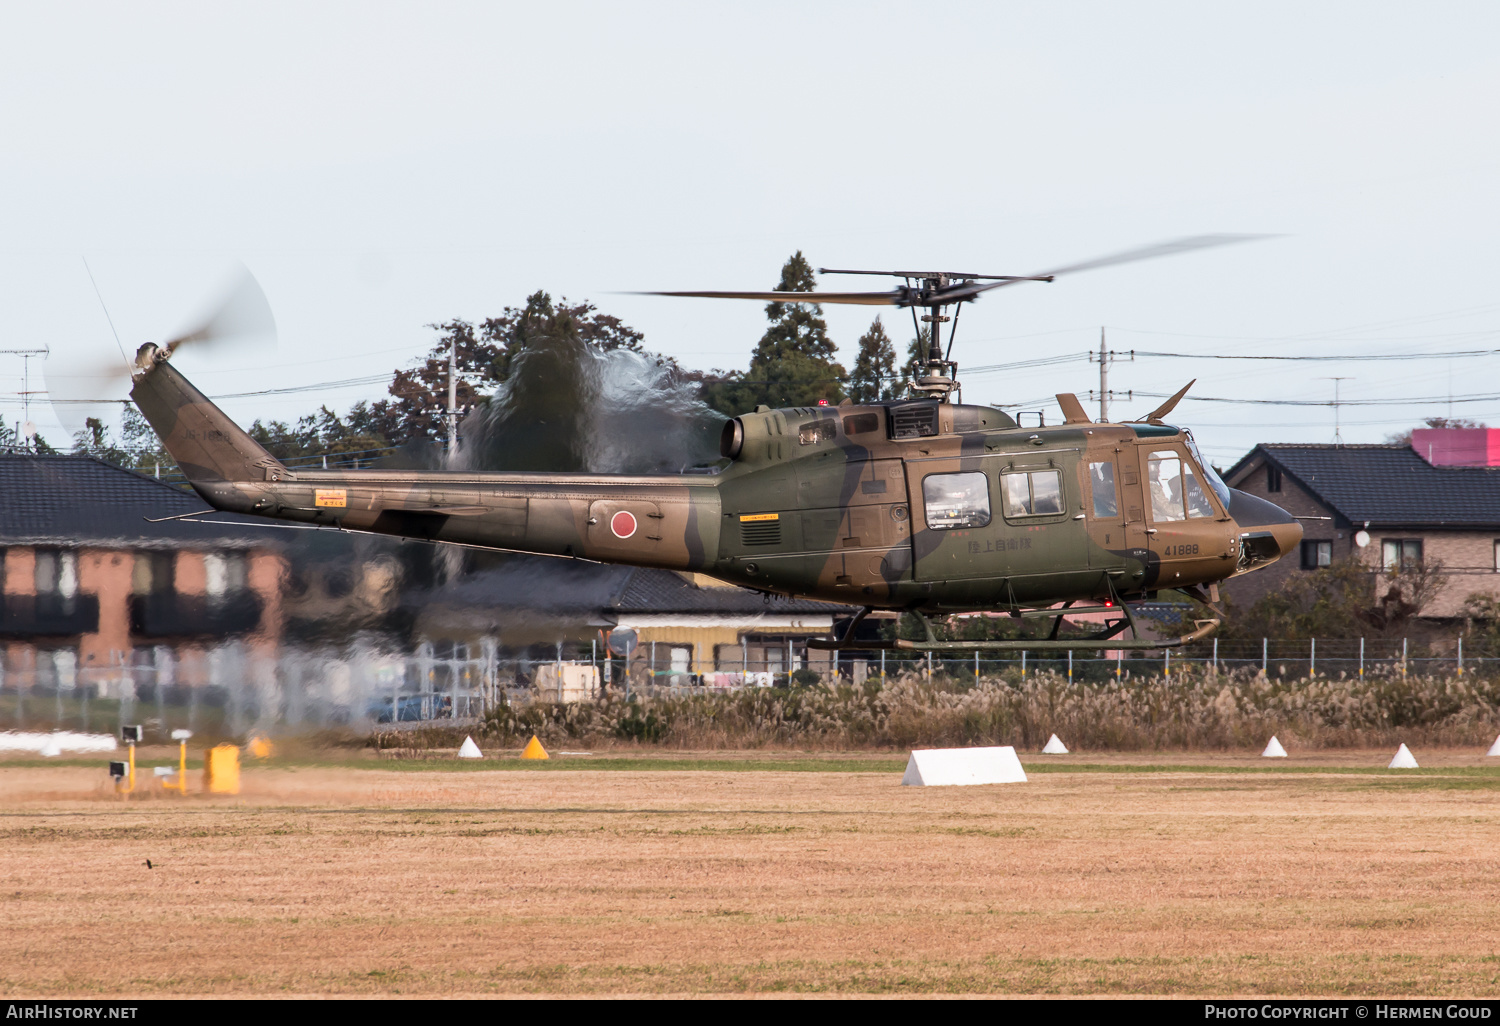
(1175, 491)
(956, 500)
(1033, 494)
(859, 423)
(818, 431)
(1396, 553)
(1317, 554)
(1102, 485)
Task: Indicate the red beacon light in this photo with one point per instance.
(822, 402)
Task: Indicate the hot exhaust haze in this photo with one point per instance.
(568, 407)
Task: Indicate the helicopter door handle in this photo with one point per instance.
(1150, 530)
(1078, 517)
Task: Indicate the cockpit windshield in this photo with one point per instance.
(1214, 480)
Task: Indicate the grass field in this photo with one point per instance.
(759, 873)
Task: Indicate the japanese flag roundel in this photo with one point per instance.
(622, 524)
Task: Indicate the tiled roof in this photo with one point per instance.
(547, 585)
(543, 584)
(1389, 485)
(663, 591)
(79, 500)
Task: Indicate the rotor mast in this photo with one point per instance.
(937, 377)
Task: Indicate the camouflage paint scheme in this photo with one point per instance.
(822, 502)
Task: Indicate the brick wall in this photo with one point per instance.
(107, 574)
(1299, 502)
(1468, 557)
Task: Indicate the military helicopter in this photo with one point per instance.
(921, 505)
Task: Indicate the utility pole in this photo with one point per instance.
(1338, 439)
(27, 428)
(1103, 380)
(453, 395)
(1105, 358)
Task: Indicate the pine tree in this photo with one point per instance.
(874, 377)
(917, 352)
(793, 364)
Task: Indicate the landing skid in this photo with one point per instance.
(1104, 639)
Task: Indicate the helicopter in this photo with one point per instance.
(922, 505)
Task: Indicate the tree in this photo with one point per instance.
(1347, 599)
(355, 438)
(1404, 437)
(93, 440)
(916, 354)
(793, 364)
(874, 377)
(418, 408)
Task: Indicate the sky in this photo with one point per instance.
(381, 167)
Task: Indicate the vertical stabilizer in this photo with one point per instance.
(210, 448)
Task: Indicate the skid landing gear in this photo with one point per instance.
(1104, 639)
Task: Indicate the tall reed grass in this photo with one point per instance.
(1207, 711)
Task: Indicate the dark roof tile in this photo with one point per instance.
(1390, 485)
(663, 591)
(79, 500)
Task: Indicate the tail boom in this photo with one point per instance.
(669, 522)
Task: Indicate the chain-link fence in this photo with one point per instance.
(229, 690)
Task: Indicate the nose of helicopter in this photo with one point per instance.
(1267, 532)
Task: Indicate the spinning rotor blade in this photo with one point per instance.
(966, 290)
(244, 310)
(892, 298)
(959, 293)
(89, 384)
(86, 387)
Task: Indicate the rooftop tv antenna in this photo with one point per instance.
(28, 429)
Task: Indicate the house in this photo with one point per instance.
(696, 624)
(98, 583)
(540, 608)
(1387, 505)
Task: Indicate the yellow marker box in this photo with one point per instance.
(748, 517)
(221, 769)
(334, 498)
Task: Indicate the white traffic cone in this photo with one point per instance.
(470, 750)
(1056, 747)
(1494, 748)
(1404, 759)
(1274, 750)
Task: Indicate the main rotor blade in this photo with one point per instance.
(1160, 249)
(244, 310)
(892, 298)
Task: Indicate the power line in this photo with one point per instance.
(1369, 357)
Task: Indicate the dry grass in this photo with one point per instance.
(1118, 879)
(1195, 710)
